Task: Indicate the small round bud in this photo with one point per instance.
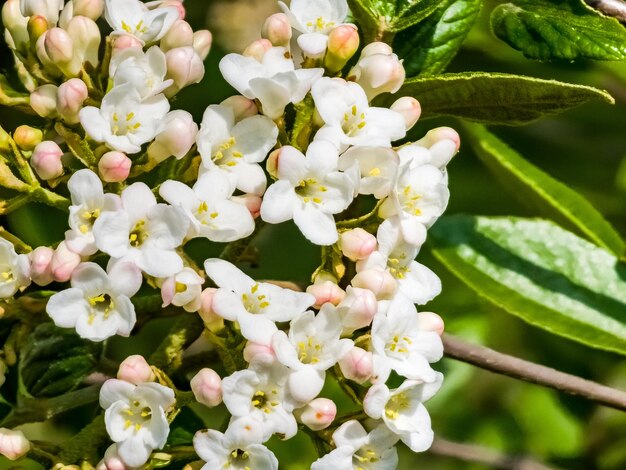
(111, 460)
(27, 138)
(44, 100)
(59, 45)
(429, 321)
(64, 262)
(313, 45)
(378, 73)
(114, 167)
(443, 143)
(40, 265)
(176, 4)
(92, 9)
(410, 109)
(242, 107)
(380, 282)
(259, 353)
(136, 370)
(179, 35)
(326, 292)
(177, 136)
(16, 25)
(277, 30)
(207, 387)
(318, 414)
(70, 98)
(126, 41)
(376, 48)
(357, 365)
(211, 319)
(13, 444)
(46, 160)
(252, 202)
(258, 49)
(37, 25)
(202, 41)
(184, 66)
(357, 309)
(271, 165)
(358, 244)
(343, 42)
(86, 38)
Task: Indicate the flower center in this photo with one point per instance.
(6, 276)
(399, 344)
(100, 305)
(138, 414)
(311, 191)
(204, 215)
(409, 200)
(128, 125)
(396, 405)
(261, 401)
(138, 234)
(353, 122)
(309, 351)
(238, 459)
(140, 27)
(254, 302)
(397, 266)
(226, 155)
(88, 218)
(319, 25)
(364, 456)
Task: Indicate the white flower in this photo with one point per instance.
(236, 147)
(402, 410)
(135, 418)
(144, 70)
(309, 190)
(133, 17)
(378, 167)
(14, 270)
(260, 394)
(98, 304)
(312, 346)
(399, 343)
(49, 9)
(274, 81)
(356, 449)
(255, 305)
(209, 207)
(125, 121)
(88, 203)
(349, 119)
(183, 290)
(143, 232)
(240, 447)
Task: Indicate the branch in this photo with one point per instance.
(484, 455)
(614, 8)
(499, 363)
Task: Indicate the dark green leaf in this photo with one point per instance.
(391, 15)
(495, 98)
(428, 47)
(541, 273)
(559, 30)
(549, 197)
(184, 427)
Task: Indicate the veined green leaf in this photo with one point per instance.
(541, 273)
(549, 197)
(428, 47)
(391, 15)
(495, 98)
(546, 30)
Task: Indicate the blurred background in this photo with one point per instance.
(584, 148)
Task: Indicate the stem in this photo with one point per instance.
(169, 355)
(360, 221)
(50, 198)
(499, 363)
(19, 245)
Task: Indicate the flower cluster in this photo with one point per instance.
(303, 142)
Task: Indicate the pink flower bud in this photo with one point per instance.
(357, 244)
(37, 25)
(380, 282)
(376, 48)
(429, 321)
(326, 292)
(176, 4)
(378, 73)
(44, 100)
(59, 45)
(136, 370)
(358, 309)
(410, 109)
(46, 160)
(258, 49)
(318, 414)
(64, 262)
(40, 265)
(211, 319)
(271, 165)
(126, 41)
(114, 167)
(259, 353)
(343, 42)
(112, 460)
(252, 203)
(179, 35)
(443, 143)
(242, 107)
(207, 387)
(177, 136)
(184, 66)
(86, 38)
(357, 365)
(202, 41)
(13, 444)
(27, 138)
(277, 30)
(70, 98)
(92, 9)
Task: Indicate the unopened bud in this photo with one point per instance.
(13, 444)
(207, 387)
(258, 49)
(376, 48)
(49, 9)
(271, 165)
(27, 138)
(410, 109)
(242, 107)
(378, 73)
(71, 96)
(183, 290)
(59, 46)
(64, 262)
(443, 143)
(178, 134)
(277, 30)
(343, 42)
(379, 281)
(86, 38)
(358, 244)
(40, 265)
(318, 414)
(111, 460)
(357, 365)
(429, 321)
(313, 45)
(252, 202)
(135, 370)
(37, 25)
(176, 4)
(126, 41)
(16, 25)
(202, 41)
(184, 66)
(357, 309)
(114, 167)
(179, 35)
(326, 292)
(92, 9)
(44, 100)
(46, 160)
(211, 320)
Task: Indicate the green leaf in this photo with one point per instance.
(428, 47)
(184, 427)
(9, 96)
(80, 147)
(541, 273)
(535, 188)
(495, 98)
(559, 30)
(391, 15)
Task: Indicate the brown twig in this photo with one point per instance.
(499, 363)
(614, 8)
